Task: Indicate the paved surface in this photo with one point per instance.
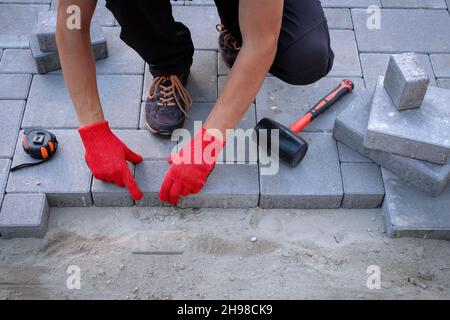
(313, 244)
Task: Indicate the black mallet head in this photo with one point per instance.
(292, 148)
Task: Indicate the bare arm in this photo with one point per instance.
(260, 22)
(78, 63)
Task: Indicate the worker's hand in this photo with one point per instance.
(191, 167)
(107, 156)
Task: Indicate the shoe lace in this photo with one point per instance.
(228, 38)
(170, 87)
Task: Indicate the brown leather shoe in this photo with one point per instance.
(228, 46)
(167, 104)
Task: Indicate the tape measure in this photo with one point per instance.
(39, 144)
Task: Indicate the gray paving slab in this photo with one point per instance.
(1, 54)
(17, 61)
(49, 105)
(338, 18)
(406, 81)
(228, 186)
(5, 164)
(17, 21)
(444, 83)
(286, 103)
(14, 86)
(65, 179)
(346, 154)
(24, 216)
(106, 194)
(350, 128)
(202, 81)
(148, 145)
(422, 133)
(204, 34)
(45, 62)
(350, 3)
(363, 185)
(346, 62)
(404, 30)
(409, 212)
(149, 176)
(441, 65)
(121, 58)
(426, 4)
(12, 112)
(315, 184)
(375, 65)
(241, 146)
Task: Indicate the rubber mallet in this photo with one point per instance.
(292, 148)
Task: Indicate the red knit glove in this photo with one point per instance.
(191, 167)
(106, 156)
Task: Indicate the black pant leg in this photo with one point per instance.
(149, 28)
(304, 48)
(229, 16)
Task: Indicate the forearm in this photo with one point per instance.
(241, 87)
(260, 22)
(78, 63)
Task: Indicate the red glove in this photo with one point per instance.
(191, 167)
(106, 156)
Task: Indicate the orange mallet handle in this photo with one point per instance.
(344, 87)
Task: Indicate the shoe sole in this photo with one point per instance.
(223, 59)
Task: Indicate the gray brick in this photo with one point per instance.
(441, 65)
(444, 83)
(4, 171)
(363, 185)
(121, 58)
(17, 21)
(350, 128)
(375, 65)
(49, 105)
(228, 186)
(49, 61)
(285, 103)
(315, 184)
(406, 81)
(409, 212)
(338, 18)
(149, 176)
(346, 62)
(202, 82)
(14, 86)
(200, 112)
(65, 179)
(403, 30)
(199, 2)
(24, 216)
(148, 145)
(204, 34)
(347, 154)
(416, 133)
(426, 4)
(350, 3)
(17, 61)
(106, 194)
(10, 120)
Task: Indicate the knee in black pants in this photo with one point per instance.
(307, 60)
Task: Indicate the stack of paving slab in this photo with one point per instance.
(43, 43)
(404, 126)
